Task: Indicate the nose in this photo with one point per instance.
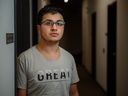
(54, 27)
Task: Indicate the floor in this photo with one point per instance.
(87, 86)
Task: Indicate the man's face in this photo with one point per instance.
(52, 27)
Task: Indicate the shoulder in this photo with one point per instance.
(26, 58)
(27, 53)
(67, 54)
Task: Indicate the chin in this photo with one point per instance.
(54, 41)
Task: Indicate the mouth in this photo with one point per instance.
(54, 34)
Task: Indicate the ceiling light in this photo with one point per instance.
(65, 1)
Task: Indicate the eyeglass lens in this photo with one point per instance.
(51, 23)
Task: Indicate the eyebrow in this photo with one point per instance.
(52, 20)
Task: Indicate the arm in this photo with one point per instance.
(21, 76)
(74, 90)
(21, 92)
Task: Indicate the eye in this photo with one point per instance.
(49, 23)
(60, 23)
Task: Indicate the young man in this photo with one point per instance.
(46, 69)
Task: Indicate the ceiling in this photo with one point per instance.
(73, 6)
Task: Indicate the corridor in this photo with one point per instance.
(87, 86)
(89, 28)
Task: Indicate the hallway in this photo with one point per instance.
(87, 86)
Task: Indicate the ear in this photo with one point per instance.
(38, 30)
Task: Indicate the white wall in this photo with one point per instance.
(6, 51)
(100, 7)
(122, 48)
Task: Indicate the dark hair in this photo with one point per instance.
(48, 9)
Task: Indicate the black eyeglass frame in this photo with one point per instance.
(51, 23)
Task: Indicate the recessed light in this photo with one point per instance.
(65, 1)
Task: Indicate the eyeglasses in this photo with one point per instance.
(51, 23)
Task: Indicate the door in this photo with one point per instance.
(93, 24)
(34, 22)
(111, 55)
(22, 25)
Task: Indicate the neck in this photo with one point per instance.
(50, 51)
(48, 47)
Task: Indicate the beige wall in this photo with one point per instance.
(100, 7)
(122, 48)
(86, 36)
(42, 3)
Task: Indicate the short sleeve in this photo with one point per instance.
(21, 72)
(75, 77)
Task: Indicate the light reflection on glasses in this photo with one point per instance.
(51, 23)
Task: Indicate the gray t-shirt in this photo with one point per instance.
(42, 77)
